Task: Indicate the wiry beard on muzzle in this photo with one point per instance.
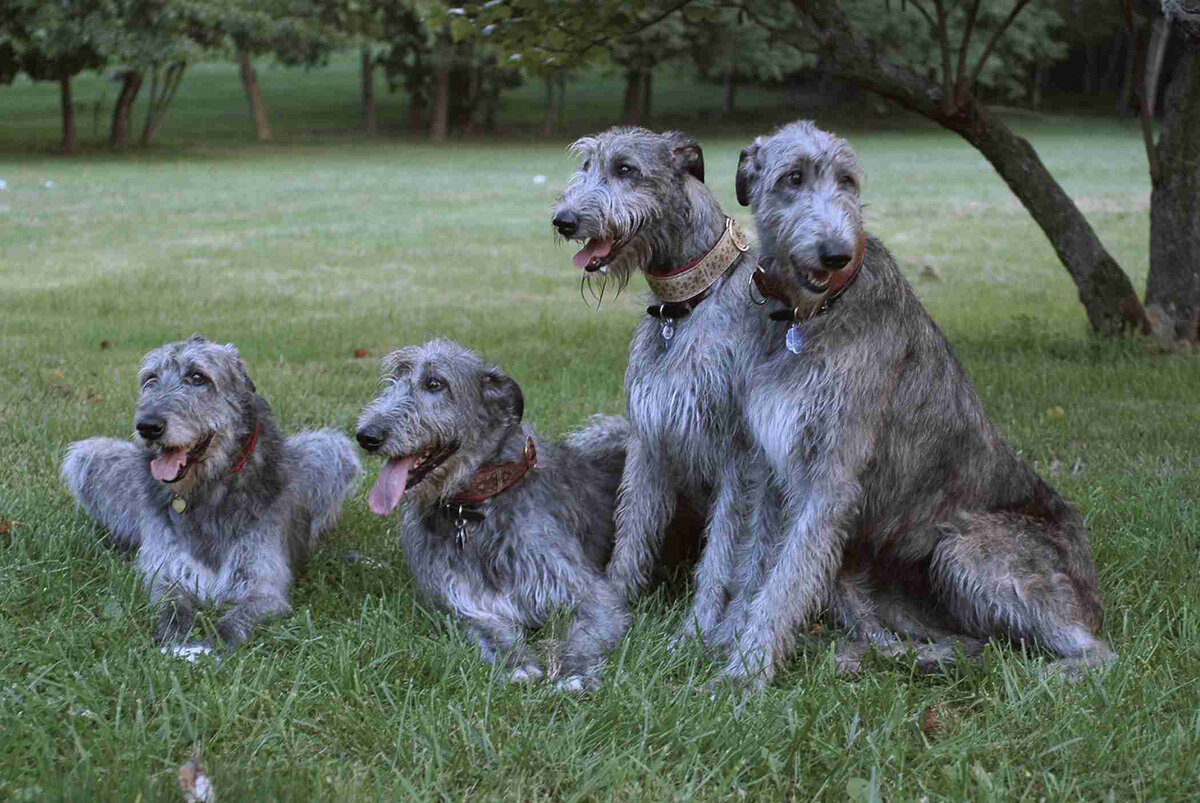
(608, 215)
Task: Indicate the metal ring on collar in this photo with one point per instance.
(751, 287)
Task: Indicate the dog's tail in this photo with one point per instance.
(324, 469)
(604, 437)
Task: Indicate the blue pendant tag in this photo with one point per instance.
(795, 339)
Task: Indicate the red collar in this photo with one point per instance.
(247, 449)
(495, 479)
(839, 282)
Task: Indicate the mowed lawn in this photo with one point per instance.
(306, 251)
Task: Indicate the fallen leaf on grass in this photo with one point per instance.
(360, 353)
(104, 344)
(194, 782)
(931, 721)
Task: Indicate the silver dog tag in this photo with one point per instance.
(668, 329)
(795, 339)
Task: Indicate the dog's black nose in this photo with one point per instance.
(371, 438)
(832, 257)
(151, 427)
(566, 223)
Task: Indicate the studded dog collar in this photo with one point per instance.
(489, 481)
(681, 290)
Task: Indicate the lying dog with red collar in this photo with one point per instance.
(220, 507)
(498, 527)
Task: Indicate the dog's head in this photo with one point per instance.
(624, 201)
(804, 184)
(195, 409)
(441, 413)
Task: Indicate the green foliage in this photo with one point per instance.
(906, 32)
(53, 40)
(734, 42)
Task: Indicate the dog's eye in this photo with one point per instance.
(795, 178)
(587, 164)
(196, 379)
(434, 385)
(626, 170)
(847, 182)
(149, 381)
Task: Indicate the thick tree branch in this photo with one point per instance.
(1108, 297)
(1139, 83)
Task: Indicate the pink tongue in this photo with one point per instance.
(388, 489)
(596, 247)
(166, 466)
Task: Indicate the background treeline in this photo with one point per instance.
(454, 64)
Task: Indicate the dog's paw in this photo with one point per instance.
(529, 673)
(190, 652)
(577, 683)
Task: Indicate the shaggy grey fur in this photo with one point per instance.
(541, 545)
(878, 459)
(685, 394)
(243, 536)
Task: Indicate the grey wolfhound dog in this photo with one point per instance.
(499, 527)
(220, 507)
(639, 202)
(878, 461)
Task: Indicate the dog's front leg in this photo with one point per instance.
(761, 529)
(176, 613)
(797, 584)
(645, 504)
(238, 622)
(502, 642)
(715, 571)
(600, 621)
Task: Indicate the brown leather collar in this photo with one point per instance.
(495, 479)
(768, 285)
(247, 449)
(679, 291)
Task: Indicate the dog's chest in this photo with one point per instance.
(683, 393)
(204, 555)
(790, 410)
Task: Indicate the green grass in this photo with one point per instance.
(305, 250)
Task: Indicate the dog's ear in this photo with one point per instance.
(687, 156)
(747, 172)
(502, 392)
(241, 366)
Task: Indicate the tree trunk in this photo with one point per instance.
(416, 101)
(1160, 34)
(68, 115)
(1108, 297)
(1105, 291)
(131, 83)
(631, 106)
(1173, 287)
(439, 124)
(730, 89)
(262, 126)
(370, 124)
